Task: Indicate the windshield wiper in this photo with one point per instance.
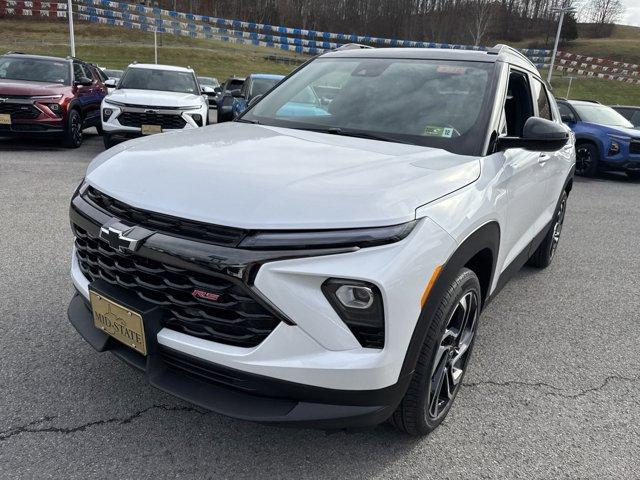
(355, 133)
(253, 122)
(367, 135)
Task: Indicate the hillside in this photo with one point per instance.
(116, 47)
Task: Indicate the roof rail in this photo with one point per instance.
(501, 48)
(587, 100)
(352, 46)
(12, 52)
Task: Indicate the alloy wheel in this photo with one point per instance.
(557, 226)
(583, 160)
(76, 130)
(453, 354)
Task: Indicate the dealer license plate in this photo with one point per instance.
(121, 323)
(5, 119)
(151, 129)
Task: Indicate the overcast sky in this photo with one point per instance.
(632, 15)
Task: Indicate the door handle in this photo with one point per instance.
(544, 158)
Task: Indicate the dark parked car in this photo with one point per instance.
(605, 140)
(224, 100)
(256, 84)
(49, 96)
(630, 113)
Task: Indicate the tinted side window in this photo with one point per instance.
(541, 98)
(78, 72)
(636, 118)
(518, 107)
(564, 109)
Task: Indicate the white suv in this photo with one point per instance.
(325, 258)
(152, 99)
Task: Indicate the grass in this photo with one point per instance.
(604, 91)
(117, 47)
(623, 44)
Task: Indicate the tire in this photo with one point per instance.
(587, 156)
(443, 358)
(73, 130)
(107, 140)
(543, 256)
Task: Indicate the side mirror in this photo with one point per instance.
(538, 134)
(111, 83)
(568, 118)
(84, 82)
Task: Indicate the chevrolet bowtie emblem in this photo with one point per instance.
(123, 238)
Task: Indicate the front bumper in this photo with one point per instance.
(240, 394)
(316, 355)
(113, 126)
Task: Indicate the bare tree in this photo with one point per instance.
(480, 11)
(603, 14)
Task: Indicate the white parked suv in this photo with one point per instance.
(325, 260)
(152, 99)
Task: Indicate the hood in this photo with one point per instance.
(259, 177)
(22, 87)
(154, 98)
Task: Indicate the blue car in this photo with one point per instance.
(255, 84)
(605, 140)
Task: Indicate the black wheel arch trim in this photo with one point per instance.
(586, 138)
(485, 237)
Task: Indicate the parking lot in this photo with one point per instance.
(553, 389)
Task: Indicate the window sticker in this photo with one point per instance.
(435, 131)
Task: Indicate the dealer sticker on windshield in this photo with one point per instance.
(435, 131)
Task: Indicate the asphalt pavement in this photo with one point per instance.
(552, 391)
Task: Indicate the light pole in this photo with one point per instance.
(72, 39)
(555, 45)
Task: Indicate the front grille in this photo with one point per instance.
(634, 147)
(20, 110)
(218, 235)
(135, 119)
(235, 318)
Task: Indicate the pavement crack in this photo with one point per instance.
(33, 426)
(552, 389)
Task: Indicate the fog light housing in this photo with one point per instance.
(106, 113)
(197, 118)
(614, 148)
(359, 305)
(55, 108)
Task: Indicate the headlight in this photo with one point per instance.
(108, 101)
(46, 97)
(305, 239)
(359, 305)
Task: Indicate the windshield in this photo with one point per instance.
(601, 114)
(424, 102)
(162, 80)
(35, 70)
(209, 81)
(260, 86)
(113, 73)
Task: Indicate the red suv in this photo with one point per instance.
(49, 96)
